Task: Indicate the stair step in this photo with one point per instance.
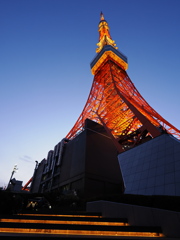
(79, 229)
(54, 237)
(73, 226)
(75, 222)
(66, 218)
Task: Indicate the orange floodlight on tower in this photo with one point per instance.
(114, 101)
(25, 188)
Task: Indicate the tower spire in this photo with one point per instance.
(104, 34)
(101, 16)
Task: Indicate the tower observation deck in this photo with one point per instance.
(115, 103)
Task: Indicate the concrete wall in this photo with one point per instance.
(102, 172)
(37, 177)
(89, 165)
(169, 221)
(73, 164)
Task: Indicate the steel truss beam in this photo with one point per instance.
(115, 103)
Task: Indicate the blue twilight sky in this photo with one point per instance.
(46, 47)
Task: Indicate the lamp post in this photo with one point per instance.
(36, 164)
(13, 171)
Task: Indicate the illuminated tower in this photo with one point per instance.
(114, 101)
(115, 118)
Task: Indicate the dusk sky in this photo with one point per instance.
(46, 47)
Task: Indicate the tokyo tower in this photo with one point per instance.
(114, 101)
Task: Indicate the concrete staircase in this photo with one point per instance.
(72, 226)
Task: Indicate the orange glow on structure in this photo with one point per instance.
(65, 222)
(115, 103)
(110, 55)
(80, 232)
(59, 215)
(65, 230)
(26, 185)
(104, 35)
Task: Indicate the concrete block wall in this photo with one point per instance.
(169, 221)
(152, 168)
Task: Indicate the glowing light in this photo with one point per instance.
(60, 215)
(80, 232)
(104, 35)
(65, 222)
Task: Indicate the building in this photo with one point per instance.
(87, 164)
(152, 168)
(15, 185)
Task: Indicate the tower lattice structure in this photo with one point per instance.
(114, 101)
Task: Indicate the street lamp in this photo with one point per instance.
(13, 171)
